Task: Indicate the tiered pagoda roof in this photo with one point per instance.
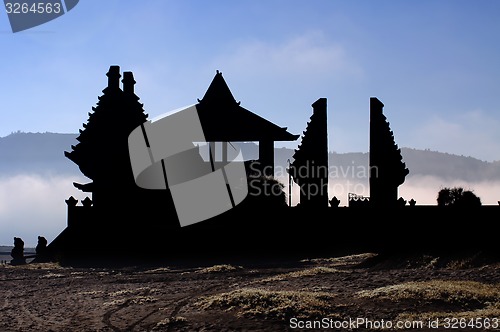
(313, 149)
(223, 119)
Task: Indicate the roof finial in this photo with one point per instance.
(128, 82)
(114, 77)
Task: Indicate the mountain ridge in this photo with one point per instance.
(43, 153)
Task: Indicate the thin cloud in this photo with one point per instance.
(471, 134)
(310, 54)
(424, 189)
(31, 205)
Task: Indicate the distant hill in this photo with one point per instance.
(419, 162)
(36, 153)
(43, 153)
(449, 166)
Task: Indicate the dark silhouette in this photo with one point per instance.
(120, 212)
(387, 171)
(102, 224)
(87, 202)
(310, 166)
(401, 202)
(355, 200)
(41, 250)
(102, 155)
(457, 197)
(224, 120)
(334, 202)
(264, 192)
(102, 151)
(17, 252)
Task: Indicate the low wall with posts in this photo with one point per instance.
(358, 200)
(327, 231)
(78, 214)
(300, 231)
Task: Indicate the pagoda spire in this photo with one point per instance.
(102, 151)
(218, 93)
(128, 82)
(114, 77)
(387, 170)
(310, 166)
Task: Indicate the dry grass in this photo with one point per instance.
(463, 293)
(159, 270)
(37, 266)
(492, 310)
(139, 300)
(275, 304)
(340, 261)
(219, 268)
(123, 292)
(451, 291)
(51, 275)
(300, 274)
(134, 291)
(138, 296)
(92, 293)
(168, 322)
(143, 299)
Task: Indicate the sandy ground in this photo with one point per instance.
(338, 294)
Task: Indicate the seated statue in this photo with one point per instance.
(17, 252)
(41, 249)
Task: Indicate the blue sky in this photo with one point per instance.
(434, 64)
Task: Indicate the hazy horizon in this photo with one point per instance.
(432, 63)
(288, 145)
(47, 213)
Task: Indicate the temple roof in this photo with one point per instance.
(224, 120)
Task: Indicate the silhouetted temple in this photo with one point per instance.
(387, 171)
(121, 212)
(224, 120)
(310, 166)
(102, 152)
(124, 220)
